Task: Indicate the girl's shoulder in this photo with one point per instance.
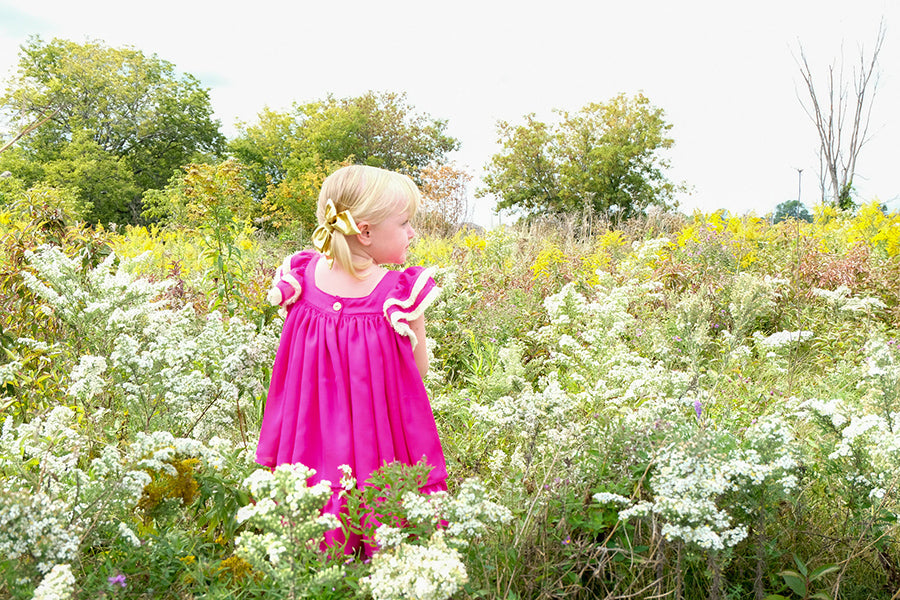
(412, 292)
(411, 282)
(287, 282)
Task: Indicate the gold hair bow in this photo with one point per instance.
(343, 222)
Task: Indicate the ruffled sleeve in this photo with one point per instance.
(286, 287)
(414, 292)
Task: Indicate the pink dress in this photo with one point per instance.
(345, 388)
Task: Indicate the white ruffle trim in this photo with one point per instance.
(400, 319)
(274, 296)
(283, 273)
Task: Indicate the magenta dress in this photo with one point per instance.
(345, 388)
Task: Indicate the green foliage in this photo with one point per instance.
(791, 209)
(289, 154)
(213, 200)
(31, 356)
(120, 123)
(801, 581)
(604, 159)
(677, 415)
(377, 129)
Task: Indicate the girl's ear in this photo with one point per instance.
(364, 236)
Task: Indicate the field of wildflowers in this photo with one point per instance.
(684, 407)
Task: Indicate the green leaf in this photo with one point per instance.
(800, 566)
(823, 570)
(796, 582)
(775, 597)
(821, 596)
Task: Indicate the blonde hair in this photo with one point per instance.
(370, 194)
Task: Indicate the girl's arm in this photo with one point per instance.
(421, 350)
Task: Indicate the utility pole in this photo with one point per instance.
(799, 182)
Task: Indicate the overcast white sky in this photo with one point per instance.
(723, 72)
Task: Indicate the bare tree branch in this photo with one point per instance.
(40, 121)
(834, 123)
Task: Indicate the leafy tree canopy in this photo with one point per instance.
(605, 158)
(791, 209)
(289, 154)
(378, 129)
(117, 122)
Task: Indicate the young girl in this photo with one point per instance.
(347, 384)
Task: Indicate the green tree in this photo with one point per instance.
(117, 122)
(791, 209)
(377, 129)
(606, 158)
(290, 153)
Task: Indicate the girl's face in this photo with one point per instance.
(389, 240)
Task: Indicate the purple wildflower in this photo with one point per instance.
(698, 408)
(118, 580)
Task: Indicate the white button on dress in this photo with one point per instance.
(336, 306)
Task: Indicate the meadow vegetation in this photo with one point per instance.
(683, 407)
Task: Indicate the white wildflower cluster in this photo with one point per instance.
(860, 432)
(52, 447)
(509, 372)
(686, 489)
(882, 360)
(130, 536)
(117, 480)
(431, 567)
(47, 526)
(348, 481)
(610, 498)
(599, 321)
(155, 451)
(287, 520)
(47, 453)
(836, 297)
(157, 361)
(105, 297)
(863, 304)
(9, 371)
(390, 537)
(525, 412)
(468, 514)
(431, 572)
(753, 299)
(591, 352)
(497, 462)
(867, 444)
(162, 363)
(53, 441)
(781, 339)
(693, 485)
(638, 387)
(58, 584)
(87, 378)
(842, 298)
(561, 305)
(832, 411)
(692, 321)
(594, 371)
(769, 456)
(36, 526)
